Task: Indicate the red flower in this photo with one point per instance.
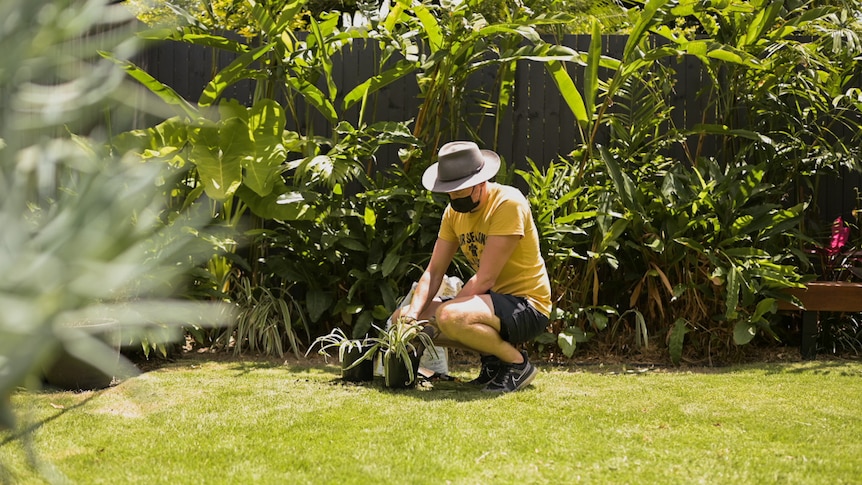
(840, 236)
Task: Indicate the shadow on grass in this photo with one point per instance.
(842, 367)
(425, 391)
(35, 426)
(849, 368)
(818, 367)
(247, 367)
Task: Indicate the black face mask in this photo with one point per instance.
(464, 204)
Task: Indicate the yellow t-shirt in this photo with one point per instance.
(505, 213)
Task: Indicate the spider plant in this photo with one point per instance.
(401, 344)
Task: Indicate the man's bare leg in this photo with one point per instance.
(471, 322)
(468, 323)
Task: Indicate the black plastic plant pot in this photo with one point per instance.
(395, 373)
(361, 372)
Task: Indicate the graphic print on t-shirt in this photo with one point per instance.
(472, 244)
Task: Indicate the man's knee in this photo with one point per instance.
(449, 318)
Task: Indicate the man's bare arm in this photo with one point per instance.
(498, 250)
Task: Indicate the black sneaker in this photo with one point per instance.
(490, 366)
(513, 377)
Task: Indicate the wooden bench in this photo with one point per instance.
(822, 296)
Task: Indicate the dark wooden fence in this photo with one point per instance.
(539, 126)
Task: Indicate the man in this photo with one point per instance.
(508, 299)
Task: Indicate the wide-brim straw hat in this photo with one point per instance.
(460, 164)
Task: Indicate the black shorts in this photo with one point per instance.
(519, 321)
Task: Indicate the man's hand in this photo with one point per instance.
(408, 319)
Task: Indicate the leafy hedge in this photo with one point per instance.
(687, 255)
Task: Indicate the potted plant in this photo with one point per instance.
(356, 355)
(400, 355)
(69, 372)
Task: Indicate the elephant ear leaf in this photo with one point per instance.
(220, 171)
(263, 167)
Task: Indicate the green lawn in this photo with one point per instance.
(200, 421)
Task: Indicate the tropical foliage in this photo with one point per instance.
(658, 231)
(704, 241)
(84, 237)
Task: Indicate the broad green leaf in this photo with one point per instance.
(579, 334)
(567, 343)
(215, 41)
(599, 320)
(767, 305)
(163, 140)
(281, 204)
(265, 22)
(234, 72)
(676, 339)
(622, 182)
(775, 221)
(370, 217)
(743, 332)
(746, 253)
(263, 18)
(207, 40)
(616, 230)
(740, 223)
(714, 129)
(393, 132)
(698, 48)
(395, 16)
(390, 262)
(315, 98)
(380, 313)
(591, 74)
(546, 338)
(569, 91)
(263, 168)
(375, 83)
(430, 26)
(318, 302)
(732, 292)
(507, 88)
(764, 20)
(220, 177)
(163, 91)
(323, 60)
(235, 142)
(496, 29)
(711, 49)
(288, 14)
(352, 244)
(733, 56)
(648, 18)
(687, 7)
(578, 216)
(539, 53)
